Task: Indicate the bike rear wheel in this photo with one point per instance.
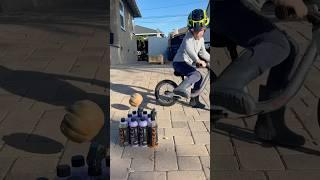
(164, 93)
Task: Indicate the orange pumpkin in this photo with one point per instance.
(135, 99)
(83, 121)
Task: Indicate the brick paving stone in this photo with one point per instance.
(302, 162)
(219, 135)
(116, 151)
(259, 158)
(147, 176)
(164, 123)
(201, 137)
(205, 161)
(179, 124)
(142, 164)
(182, 140)
(230, 125)
(179, 116)
(177, 132)
(204, 116)
(6, 163)
(71, 149)
(164, 114)
(208, 146)
(24, 121)
(294, 175)
(138, 153)
(191, 111)
(49, 126)
(119, 168)
(189, 163)
(238, 175)
(33, 166)
(187, 175)
(207, 124)
(308, 146)
(114, 137)
(166, 161)
(222, 148)
(165, 143)
(176, 107)
(191, 150)
(246, 139)
(224, 163)
(197, 126)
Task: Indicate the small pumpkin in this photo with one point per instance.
(83, 121)
(135, 99)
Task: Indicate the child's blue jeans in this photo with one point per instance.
(194, 76)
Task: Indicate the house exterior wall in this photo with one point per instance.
(19, 5)
(124, 48)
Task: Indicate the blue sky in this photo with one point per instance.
(175, 11)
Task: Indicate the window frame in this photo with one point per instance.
(122, 15)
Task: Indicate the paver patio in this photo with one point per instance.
(183, 150)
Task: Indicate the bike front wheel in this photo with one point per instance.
(164, 93)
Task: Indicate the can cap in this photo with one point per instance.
(129, 115)
(145, 112)
(77, 161)
(123, 120)
(63, 170)
(134, 112)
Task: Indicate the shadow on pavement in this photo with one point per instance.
(148, 97)
(247, 135)
(48, 88)
(120, 106)
(33, 143)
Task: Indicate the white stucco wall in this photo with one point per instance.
(158, 46)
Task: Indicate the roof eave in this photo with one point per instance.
(135, 9)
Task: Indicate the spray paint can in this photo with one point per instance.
(128, 129)
(153, 133)
(145, 115)
(134, 132)
(63, 172)
(129, 118)
(123, 132)
(134, 114)
(143, 132)
(78, 167)
(140, 110)
(149, 118)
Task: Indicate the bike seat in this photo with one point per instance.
(178, 74)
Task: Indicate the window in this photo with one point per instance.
(122, 18)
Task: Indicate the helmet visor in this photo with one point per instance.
(198, 26)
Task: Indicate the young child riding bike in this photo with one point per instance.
(189, 54)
